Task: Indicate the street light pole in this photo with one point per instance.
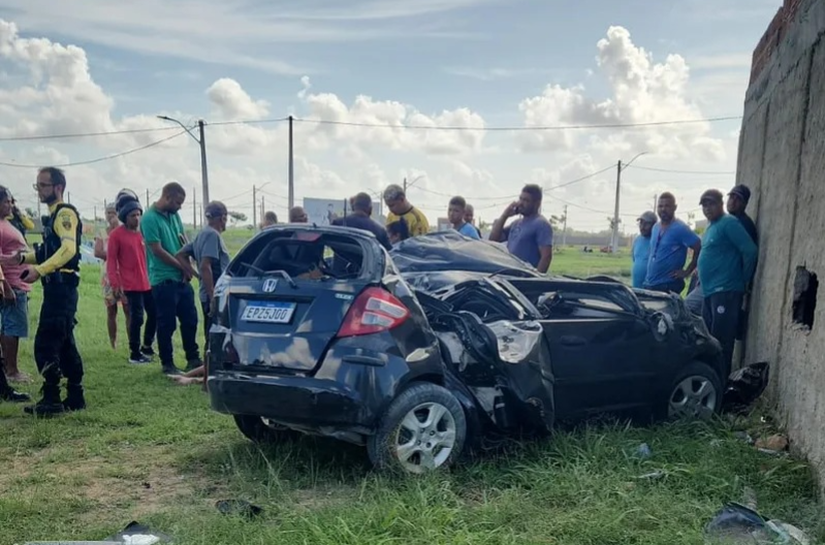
(202, 143)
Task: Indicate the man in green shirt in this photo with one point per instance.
(174, 297)
(726, 265)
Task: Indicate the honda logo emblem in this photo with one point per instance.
(270, 284)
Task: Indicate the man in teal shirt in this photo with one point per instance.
(174, 297)
(726, 265)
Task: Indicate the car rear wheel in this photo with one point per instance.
(424, 429)
(260, 430)
(696, 392)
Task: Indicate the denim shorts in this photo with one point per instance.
(15, 316)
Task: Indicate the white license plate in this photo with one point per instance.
(268, 313)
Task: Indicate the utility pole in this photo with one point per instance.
(202, 143)
(69, 197)
(195, 207)
(615, 241)
(564, 233)
(263, 207)
(254, 209)
(405, 185)
(204, 172)
(655, 204)
(147, 198)
(291, 169)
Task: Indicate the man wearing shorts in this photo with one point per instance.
(110, 298)
(15, 305)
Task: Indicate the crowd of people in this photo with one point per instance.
(722, 261)
(149, 264)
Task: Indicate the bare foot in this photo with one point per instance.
(184, 381)
(19, 378)
(113, 342)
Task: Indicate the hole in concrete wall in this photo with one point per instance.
(805, 286)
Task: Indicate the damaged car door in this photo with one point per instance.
(602, 350)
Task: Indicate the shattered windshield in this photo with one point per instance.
(301, 255)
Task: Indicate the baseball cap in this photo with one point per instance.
(711, 195)
(215, 209)
(742, 191)
(648, 217)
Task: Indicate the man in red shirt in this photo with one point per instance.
(128, 276)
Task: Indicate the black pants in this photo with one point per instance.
(206, 323)
(176, 301)
(721, 312)
(140, 301)
(55, 351)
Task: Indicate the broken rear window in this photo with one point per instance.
(302, 255)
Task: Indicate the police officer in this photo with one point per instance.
(56, 263)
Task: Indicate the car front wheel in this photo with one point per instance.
(696, 392)
(424, 429)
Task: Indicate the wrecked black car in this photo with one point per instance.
(418, 352)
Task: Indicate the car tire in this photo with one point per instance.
(694, 392)
(426, 445)
(256, 430)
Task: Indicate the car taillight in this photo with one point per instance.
(373, 311)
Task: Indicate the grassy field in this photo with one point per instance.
(151, 451)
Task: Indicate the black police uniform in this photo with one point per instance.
(55, 351)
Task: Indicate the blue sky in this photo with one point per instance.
(480, 61)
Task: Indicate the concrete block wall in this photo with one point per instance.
(782, 158)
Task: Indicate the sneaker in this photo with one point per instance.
(140, 359)
(13, 396)
(147, 351)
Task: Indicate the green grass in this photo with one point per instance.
(151, 451)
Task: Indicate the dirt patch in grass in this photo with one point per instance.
(139, 482)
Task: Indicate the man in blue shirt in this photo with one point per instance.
(641, 249)
(669, 243)
(725, 268)
(456, 211)
(530, 237)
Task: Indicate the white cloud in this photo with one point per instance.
(232, 102)
(390, 117)
(641, 92)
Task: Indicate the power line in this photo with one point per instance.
(65, 136)
(250, 121)
(577, 180)
(515, 129)
(81, 134)
(101, 159)
(711, 172)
